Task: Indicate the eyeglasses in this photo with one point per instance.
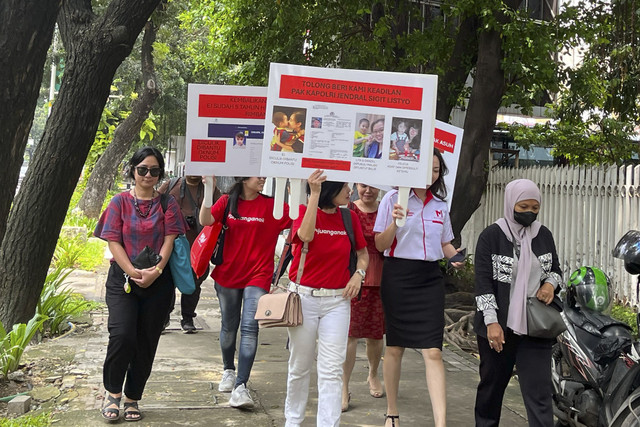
(142, 171)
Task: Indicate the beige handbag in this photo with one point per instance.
(281, 308)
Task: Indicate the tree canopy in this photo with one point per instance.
(597, 109)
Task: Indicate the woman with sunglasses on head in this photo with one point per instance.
(244, 275)
(326, 287)
(138, 299)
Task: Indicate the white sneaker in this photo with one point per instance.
(228, 380)
(240, 398)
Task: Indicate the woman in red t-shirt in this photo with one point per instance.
(244, 275)
(325, 288)
(367, 317)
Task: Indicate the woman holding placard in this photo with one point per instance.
(320, 274)
(244, 275)
(412, 286)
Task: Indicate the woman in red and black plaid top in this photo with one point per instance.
(138, 299)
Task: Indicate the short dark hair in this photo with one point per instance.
(299, 117)
(438, 188)
(278, 117)
(142, 154)
(376, 122)
(363, 120)
(329, 190)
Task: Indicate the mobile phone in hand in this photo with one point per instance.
(460, 256)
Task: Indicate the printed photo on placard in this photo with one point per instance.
(369, 136)
(239, 140)
(288, 129)
(225, 130)
(405, 139)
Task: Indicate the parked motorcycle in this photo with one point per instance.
(596, 361)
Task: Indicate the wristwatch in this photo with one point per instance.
(362, 273)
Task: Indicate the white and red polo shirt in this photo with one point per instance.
(428, 226)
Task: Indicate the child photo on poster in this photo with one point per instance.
(288, 129)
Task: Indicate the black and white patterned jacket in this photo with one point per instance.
(494, 271)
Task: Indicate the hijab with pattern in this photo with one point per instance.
(515, 191)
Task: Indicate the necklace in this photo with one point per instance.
(135, 204)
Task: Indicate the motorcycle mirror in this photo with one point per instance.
(628, 244)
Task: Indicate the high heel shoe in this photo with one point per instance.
(393, 419)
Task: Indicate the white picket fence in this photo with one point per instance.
(587, 209)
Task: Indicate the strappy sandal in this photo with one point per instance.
(134, 414)
(393, 419)
(111, 400)
(375, 392)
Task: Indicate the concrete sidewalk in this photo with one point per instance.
(183, 388)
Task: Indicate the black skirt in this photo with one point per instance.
(413, 300)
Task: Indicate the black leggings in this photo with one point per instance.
(135, 323)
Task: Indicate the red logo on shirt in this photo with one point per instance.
(439, 214)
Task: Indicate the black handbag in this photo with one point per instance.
(146, 258)
(216, 258)
(544, 321)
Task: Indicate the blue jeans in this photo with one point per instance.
(238, 309)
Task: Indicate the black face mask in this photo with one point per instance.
(525, 218)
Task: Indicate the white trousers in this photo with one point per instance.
(327, 320)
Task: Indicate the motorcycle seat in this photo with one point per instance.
(596, 323)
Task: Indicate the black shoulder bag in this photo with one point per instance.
(216, 258)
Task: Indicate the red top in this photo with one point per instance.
(327, 262)
(249, 243)
(374, 271)
(121, 223)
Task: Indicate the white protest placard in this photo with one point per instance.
(225, 129)
(448, 140)
(359, 126)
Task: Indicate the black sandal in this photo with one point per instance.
(134, 414)
(111, 400)
(392, 417)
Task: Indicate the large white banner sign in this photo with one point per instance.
(359, 126)
(225, 129)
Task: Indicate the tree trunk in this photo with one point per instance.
(486, 95)
(95, 45)
(26, 30)
(107, 166)
(464, 55)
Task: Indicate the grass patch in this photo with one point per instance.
(31, 420)
(627, 315)
(93, 255)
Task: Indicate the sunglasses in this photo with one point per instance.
(142, 171)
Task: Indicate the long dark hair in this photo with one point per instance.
(142, 154)
(234, 193)
(438, 188)
(329, 190)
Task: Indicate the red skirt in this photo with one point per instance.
(367, 316)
